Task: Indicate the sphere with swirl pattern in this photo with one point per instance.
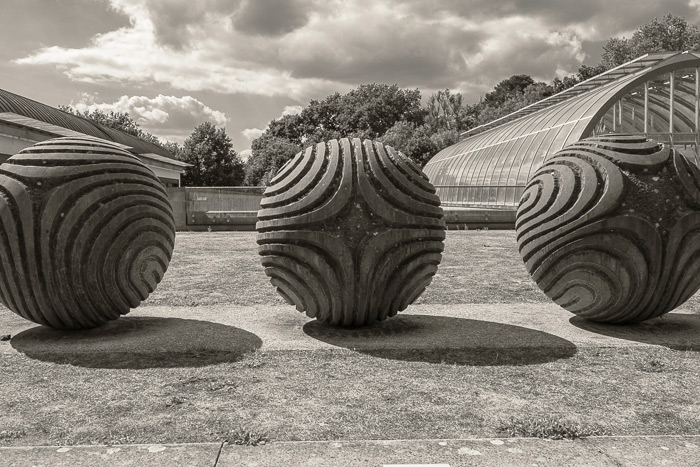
(350, 231)
(86, 232)
(609, 228)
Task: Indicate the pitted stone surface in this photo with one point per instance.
(351, 232)
(609, 228)
(86, 232)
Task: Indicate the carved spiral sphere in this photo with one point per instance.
(350, 231)
(609, 228)
(86, 232)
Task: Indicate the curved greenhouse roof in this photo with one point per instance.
(656, 95)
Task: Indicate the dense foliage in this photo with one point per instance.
(214, 162)
(121, 121)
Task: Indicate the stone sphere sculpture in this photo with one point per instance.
(86, 232)
(350, 231)
(609, 228)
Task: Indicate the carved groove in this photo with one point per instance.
(86, 232)
(350, 232)
(609, 228)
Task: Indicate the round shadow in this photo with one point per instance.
(139, 342)
(440, 339)
(673, 330)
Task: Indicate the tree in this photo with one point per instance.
(269, 153)
(173, 148)
(414, 142)
(515, 101)
(507, 89)
(446, 112)
(289, 127)
(371, 109)
(214, 162)
(671, 33)
(365, 112)
(121, 121)
(616, 51)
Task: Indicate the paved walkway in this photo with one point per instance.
(599, 451)
(221, 329)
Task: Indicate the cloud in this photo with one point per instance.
(292, 110)
(245, 154)
(252, 133)
(170, 117)
(271, 17)
(303, 49)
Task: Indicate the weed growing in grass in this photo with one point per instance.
(11, 434)
(247, 437)
(253, 359)
(116, 438)
(548, 427)
(175, 400)
(651, 365)
(222, 385)
(655, 361)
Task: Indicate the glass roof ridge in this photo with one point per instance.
(641, 63)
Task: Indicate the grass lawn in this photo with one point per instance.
(217, 267)
(340, 393)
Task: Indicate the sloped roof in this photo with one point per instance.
(11, 103)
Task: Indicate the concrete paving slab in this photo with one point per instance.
(185, 455)
(651, 451)
(442, 326)
(467, 452)
(642, 451)
(468, 334)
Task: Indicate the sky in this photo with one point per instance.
(173, 64)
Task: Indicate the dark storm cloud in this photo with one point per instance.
(174, 20)
(271, 17)
(609, 16)
(303, 48)
(416, 56)
(29, 24)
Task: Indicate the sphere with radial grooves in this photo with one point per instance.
(609, 228)
(86, 232)
(350, 231)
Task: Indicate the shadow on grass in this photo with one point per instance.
(674, 330)
(440, 339)
(139, 342)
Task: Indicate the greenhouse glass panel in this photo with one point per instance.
(684, 102)
(659, 104)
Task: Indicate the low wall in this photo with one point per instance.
(221, 208)
(236, 208)
(502, 218)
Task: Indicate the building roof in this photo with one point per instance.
(494, 162)
(50, 120)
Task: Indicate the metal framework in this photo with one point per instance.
(656, 94)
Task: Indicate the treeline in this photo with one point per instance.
(395, 116)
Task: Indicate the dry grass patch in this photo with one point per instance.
(215, 267)
(345, 395)
(478, 266)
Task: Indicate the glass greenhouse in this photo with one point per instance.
(655, 94)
